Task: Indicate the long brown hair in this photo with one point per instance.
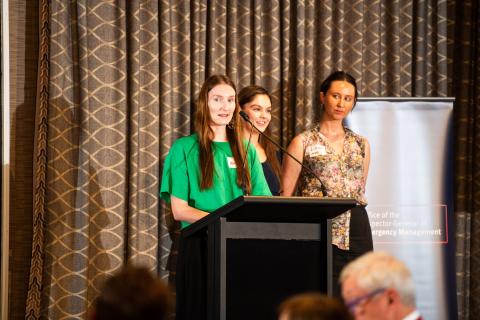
(247, 95)
(205, 135)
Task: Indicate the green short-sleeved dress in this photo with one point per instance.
(181, 175)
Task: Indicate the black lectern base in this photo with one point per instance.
(242, 260)
(272, 271)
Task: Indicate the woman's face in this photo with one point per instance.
(221, 104)
(259, 110)
(338, 101)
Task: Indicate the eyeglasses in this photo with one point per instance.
(351, 305)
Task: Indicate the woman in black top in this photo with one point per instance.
(257, 104)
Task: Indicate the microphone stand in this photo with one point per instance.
(244, 162)
(247, 119)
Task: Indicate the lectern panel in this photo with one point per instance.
(261, 273)
(263, 230)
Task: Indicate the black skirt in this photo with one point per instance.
(360, 243)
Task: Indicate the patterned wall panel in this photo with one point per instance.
(268, 56)
(102, 168)
(176, 75)
(144, 126)
(406, 38)
(430, 50)
(302, 64)
(217, 23)
(87, 149)
(286, 94)
(372, 48)
(390, 47)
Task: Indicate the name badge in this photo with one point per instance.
(316, 150)
(231, 162)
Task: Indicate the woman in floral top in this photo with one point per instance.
(340, 159)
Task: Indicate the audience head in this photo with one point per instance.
(133, 293)
(313, 306)
(378, 286)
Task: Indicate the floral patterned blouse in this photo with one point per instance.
(341, 175)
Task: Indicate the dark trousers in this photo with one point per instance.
(360, 243)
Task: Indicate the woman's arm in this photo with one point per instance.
(290, 168)
(366, 162)
(183, 212)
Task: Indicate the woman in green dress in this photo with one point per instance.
(203, 172)
(206, 170)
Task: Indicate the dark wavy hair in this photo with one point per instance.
(247, 95)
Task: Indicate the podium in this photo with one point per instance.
(242, 260)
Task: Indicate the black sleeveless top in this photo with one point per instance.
(272, 180)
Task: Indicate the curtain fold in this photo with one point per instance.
(117, 86)
(102, 166)
(23, 46)
(35, 280)
(142, 132)
(465, 37)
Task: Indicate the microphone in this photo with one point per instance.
(247, 119)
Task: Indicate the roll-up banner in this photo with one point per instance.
(410, 191)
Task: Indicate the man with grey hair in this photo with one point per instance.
(379, 286)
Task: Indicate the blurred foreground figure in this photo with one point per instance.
(133, 293)
(379, 286)
(313, 306)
